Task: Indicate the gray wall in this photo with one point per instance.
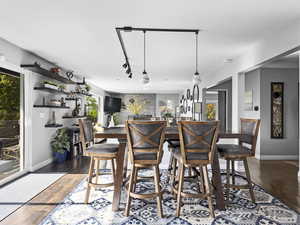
(289, 144)
(252, 82)
(226, 85)
(38, 117)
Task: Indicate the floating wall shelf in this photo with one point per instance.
(53, 125)
(51, 106)
(38, 69)
(73, 117)
(50, 90)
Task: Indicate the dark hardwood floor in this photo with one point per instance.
(279, 178)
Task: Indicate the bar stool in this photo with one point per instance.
(145, 141)
(197, 149)
(240, 152)
(96, 152)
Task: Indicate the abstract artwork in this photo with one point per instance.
(277, 110)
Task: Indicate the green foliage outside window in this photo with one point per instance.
(9, 97)
(92, 109)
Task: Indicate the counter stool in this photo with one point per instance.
(96, 152)
(145, 142)
(242, 151)
(197, 149)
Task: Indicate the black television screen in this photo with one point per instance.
(112, 105)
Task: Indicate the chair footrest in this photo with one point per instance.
(244, 186)
(144, 196)
(100, 185)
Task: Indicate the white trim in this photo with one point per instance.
(40, 165)
(13, 176)
(298, 174)
(279, 157)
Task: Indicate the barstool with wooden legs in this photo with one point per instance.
(197, 149)
(231, 153)
(145, 145)
(96, 152)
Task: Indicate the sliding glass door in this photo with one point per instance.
(11, 155)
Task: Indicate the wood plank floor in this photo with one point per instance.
(279, 178)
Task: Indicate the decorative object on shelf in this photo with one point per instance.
(70, 74)
(55, 70)
(126, 65)
(38, 69)
(49, 84)
(61, 87)
(60, 145)
(53, 119)
(55, 102)
(62, 102)
(277, 97)
(87, 88)
(91, 109)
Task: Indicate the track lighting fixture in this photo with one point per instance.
(125, 65)
(130, 75)
(128, 71)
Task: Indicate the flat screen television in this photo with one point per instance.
(112, 105)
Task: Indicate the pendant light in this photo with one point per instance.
(196, 78)
(146, 78)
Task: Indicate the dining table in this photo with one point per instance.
(171, 133)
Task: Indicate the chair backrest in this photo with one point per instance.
(198, 141)
(249, 129)
(145, 137)
(86, 132)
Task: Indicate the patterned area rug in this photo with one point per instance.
(267, 211)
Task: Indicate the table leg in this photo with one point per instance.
(119, 176)
(217, 183)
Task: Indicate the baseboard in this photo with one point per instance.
(279, 157)
(41, 164)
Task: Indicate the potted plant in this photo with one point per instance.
(61, 87)
(60, 145)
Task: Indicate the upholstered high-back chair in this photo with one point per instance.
(145, 145)
(240, 152)
(96, 152)
(197, 149)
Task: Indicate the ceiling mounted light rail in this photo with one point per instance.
(127, 66)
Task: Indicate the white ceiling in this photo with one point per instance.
(80, 35)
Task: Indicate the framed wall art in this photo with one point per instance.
(277, 122)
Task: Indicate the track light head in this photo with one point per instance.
(130, 76)
(128, 71)
(125, 65)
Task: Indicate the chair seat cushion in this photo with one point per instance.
(190, 155)
(232, 151)
(103, 149)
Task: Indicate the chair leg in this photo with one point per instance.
(208, 191)
(202, 180)
(97, 170)
(158, 191)
(90, 176)
(249, 180)
(170, 167)
(173, 174)
(132, 175)
(113, 169)
(227, 179)
(232, 172)
(179, 190)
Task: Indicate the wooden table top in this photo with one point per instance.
(120, 133)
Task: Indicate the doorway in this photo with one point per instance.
(11, 149)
